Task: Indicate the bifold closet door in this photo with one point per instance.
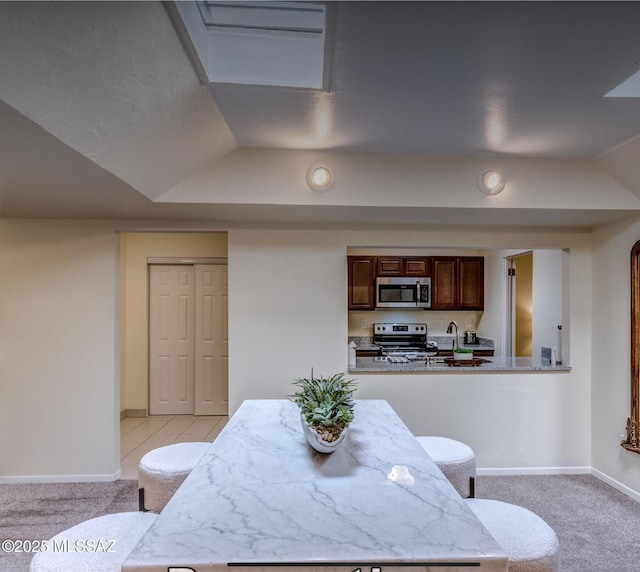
(188, 343)
(211, 348)
(172, 295)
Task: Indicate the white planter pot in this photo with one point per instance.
(462, 355)
(317, 442)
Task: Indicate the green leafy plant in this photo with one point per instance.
(326, 403)
(463, 350)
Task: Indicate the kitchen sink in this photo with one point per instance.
(473, 362)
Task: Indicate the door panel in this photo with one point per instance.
(163, 378)
(171, 339)
(211, 349)
(444, 278)
(524, 305)
(361, 273)
(471, 283)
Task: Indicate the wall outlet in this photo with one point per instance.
(363, 324)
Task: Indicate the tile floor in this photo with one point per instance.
(139, 435)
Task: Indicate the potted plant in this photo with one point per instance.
(462, 353)
(326, 409)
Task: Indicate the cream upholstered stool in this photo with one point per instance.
(455, 459)
(530, 543)
(161, 471)
(119, 533)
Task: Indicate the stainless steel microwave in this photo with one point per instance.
(403, 292)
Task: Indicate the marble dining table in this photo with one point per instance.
(261, 499)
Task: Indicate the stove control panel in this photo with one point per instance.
(400, 329)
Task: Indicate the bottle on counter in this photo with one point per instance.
(559, 350)
(351, 348)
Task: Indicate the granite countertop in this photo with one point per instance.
(367, 347)
(492, 364)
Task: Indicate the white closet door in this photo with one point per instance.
(211, 347)
(171, 339)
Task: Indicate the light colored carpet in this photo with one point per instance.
(598, 527)
(40, 511)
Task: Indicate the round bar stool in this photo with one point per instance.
(162, 470)
(530, 543)
(455, 459)
(119, 534)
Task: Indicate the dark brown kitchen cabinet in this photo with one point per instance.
(457, 283)
(483, 353)
(444, 279)
(389, 266)
(367, 353)
(403, 266)
(361, 272)
(471, 283)
(419, 266)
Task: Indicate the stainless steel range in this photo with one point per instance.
(403, 342)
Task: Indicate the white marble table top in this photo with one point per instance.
(262, 499)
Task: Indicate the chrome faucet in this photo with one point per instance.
(456, 343)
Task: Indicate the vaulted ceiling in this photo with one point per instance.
(103, 115)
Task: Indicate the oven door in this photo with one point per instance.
(395, 292)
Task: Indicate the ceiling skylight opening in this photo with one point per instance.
(266, 16)
(628, 88)
(259, 43)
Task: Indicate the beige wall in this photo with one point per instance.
(547, 301)
(611, 354)
(58, 352)
(514, 421)
(58, 378)
(136, 248)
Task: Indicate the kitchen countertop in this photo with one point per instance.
(492, 364)
(367, 348)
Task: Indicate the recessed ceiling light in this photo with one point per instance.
(490, 182)
(320, 178)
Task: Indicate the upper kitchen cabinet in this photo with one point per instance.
(457, 282)
(361, 282)
(420, 266)
(471, 283)
(444, 279)
(403, 266)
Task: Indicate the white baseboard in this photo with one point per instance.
(61, 478)
(616, 484)
(535, 471)
(562, 471)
